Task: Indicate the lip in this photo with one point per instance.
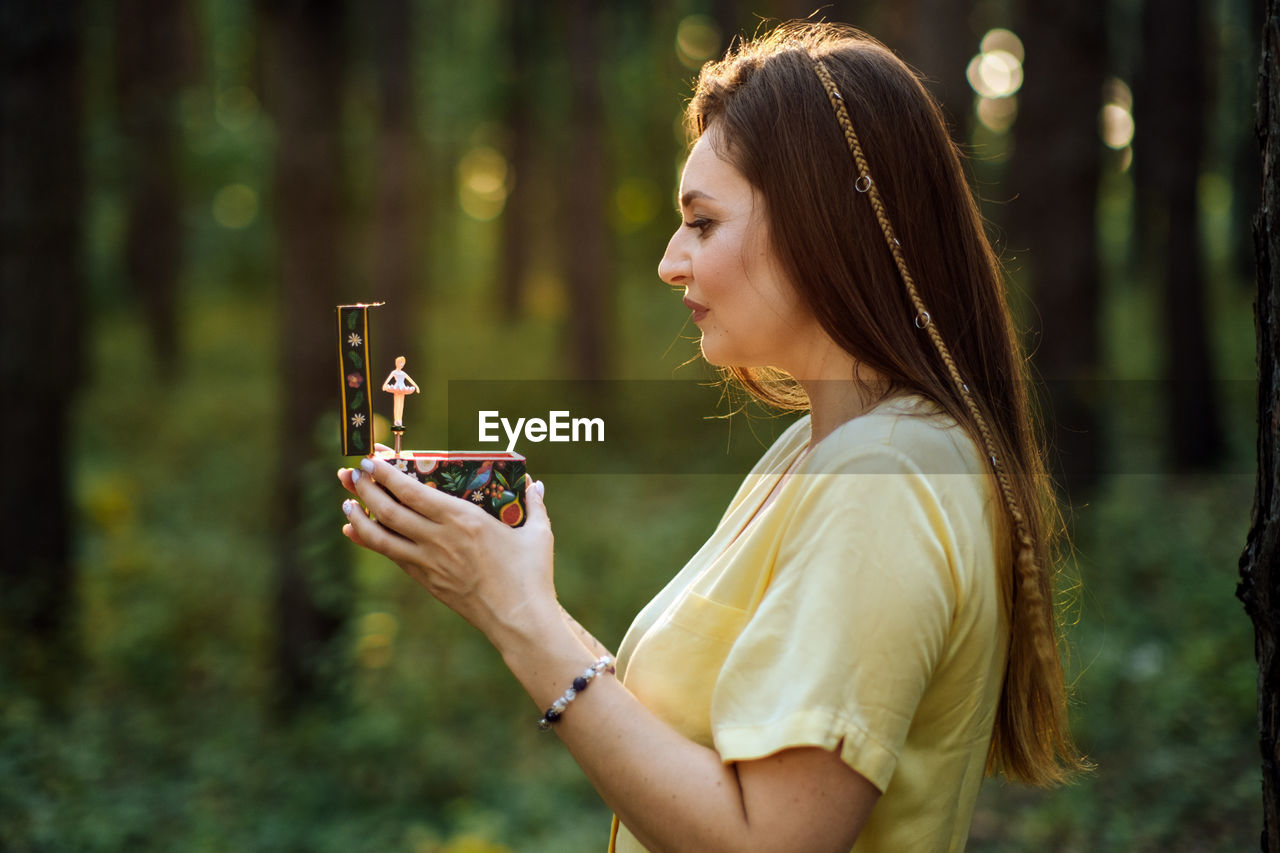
(699, 311)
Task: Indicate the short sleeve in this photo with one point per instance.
(852, 624)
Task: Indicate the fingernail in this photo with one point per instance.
(367, 464)
(348, 506)
(355, 476)
(541, 488)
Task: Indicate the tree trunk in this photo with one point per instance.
(41, 299)
(1259, 587)
(149, 69)
(522, 95)
(1054, 174)
(1170, 117)
(303, 64)
(728, 17)
(587, 247)
(1246, 195)
(399, 228)
(942, 43)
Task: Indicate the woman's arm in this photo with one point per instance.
(672, 793)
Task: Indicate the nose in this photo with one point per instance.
(674, 268)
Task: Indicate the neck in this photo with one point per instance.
(835, 402)
(839, 390)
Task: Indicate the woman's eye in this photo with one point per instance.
(700, 224)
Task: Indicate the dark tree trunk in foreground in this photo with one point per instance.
(587, 247)
(1260, 564)
(1171, 115)
(1246, 195)
(303, 61)
(399, 229)
(149, 66)
(1052, 222)
(41, 202)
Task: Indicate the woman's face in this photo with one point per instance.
(749, 313)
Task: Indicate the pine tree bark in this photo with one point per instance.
(303, 67)
(41, 300)
(1259, 587)
(1246, 195)
(1054, 172)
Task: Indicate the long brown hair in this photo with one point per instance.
(785, 107)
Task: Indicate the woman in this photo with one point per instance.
(869, 630)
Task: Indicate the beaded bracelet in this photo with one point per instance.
(579, 684)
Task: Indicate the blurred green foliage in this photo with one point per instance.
(169, 742)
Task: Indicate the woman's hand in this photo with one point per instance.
(496, 577)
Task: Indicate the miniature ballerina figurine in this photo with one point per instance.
(400, 385)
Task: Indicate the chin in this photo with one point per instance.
(722, 356)
(713, 355)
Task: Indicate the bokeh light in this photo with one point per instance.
(1117, 126)
(997, 74)
(1003, 40)
(482, 183)
(697, 40)
(997, 114)
(1115, 120)
(235, 206)
(1116, 91)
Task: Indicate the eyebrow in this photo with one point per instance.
(693, 195)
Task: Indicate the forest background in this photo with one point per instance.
(192, 656)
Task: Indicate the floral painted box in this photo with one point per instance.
(493, 481)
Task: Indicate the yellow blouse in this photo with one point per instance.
(864, 611)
